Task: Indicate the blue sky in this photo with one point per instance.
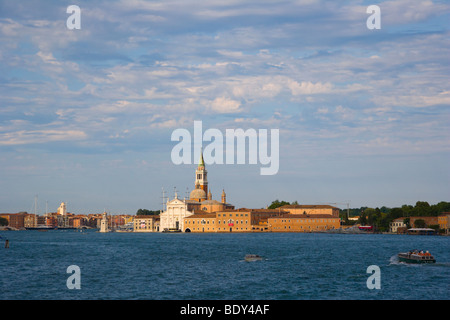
(86, 115)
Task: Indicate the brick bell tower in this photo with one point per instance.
(201, 179)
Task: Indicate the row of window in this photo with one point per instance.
(143, 226)
(231, 214)
(234, 221)
(219, 221)
(301, 227)
(306, 220)
(397, 224)
(218, 229)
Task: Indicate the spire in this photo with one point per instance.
(201, 162)
(201, 180)
(224, 196)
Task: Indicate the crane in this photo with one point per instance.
(347, 203)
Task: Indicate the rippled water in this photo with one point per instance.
(211, 266)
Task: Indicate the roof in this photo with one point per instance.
(304, 216)
(201, 215)
(191, 201)
(277, 211)
(197, 194)
(201, 162)
(306, 206)
(147, 216)
(211, 202)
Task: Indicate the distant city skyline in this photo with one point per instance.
(86, 115)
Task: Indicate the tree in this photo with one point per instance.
(146, 212)
(437, 209)
(276, 204)
(384, 209)
(3, 221)
(370, 213)
(363, 219)
(407, 210)
(422, 208)
(395, 213)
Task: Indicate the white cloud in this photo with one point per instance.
(307, 87)
(416, 101)
(408, 11)
(225, 105)
(322, 110)
(40, 136)
(48, 58)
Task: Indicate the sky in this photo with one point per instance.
(86, 115)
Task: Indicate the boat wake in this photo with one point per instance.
(395, 260)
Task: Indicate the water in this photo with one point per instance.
(211, 266)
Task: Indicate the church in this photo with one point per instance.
(200, 202)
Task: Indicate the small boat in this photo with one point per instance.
(41, 228)
(416, 256)
(171, 230)
(252, 257)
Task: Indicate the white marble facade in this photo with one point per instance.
(173, 217)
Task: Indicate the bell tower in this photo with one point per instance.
(201, 174)
(224, 196)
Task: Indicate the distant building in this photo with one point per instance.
(259, 220)
(78, 221)
(176, 211)
(311, 209)
(203, 214)
(51, 220)
(200, 202)
(148, 223)
(209, 206)
(62, 218)
(30, 221)
(202, 222)
(241, 220)
(17, 220)
(201, 196)
(104, 223)
(303, 223)
(62, 210)
(444, 221)
(429, 221)
(397, 225)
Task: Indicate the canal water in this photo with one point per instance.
(160, 266)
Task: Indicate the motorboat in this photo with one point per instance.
(252, 257)
(171, 230)
(416, 256)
